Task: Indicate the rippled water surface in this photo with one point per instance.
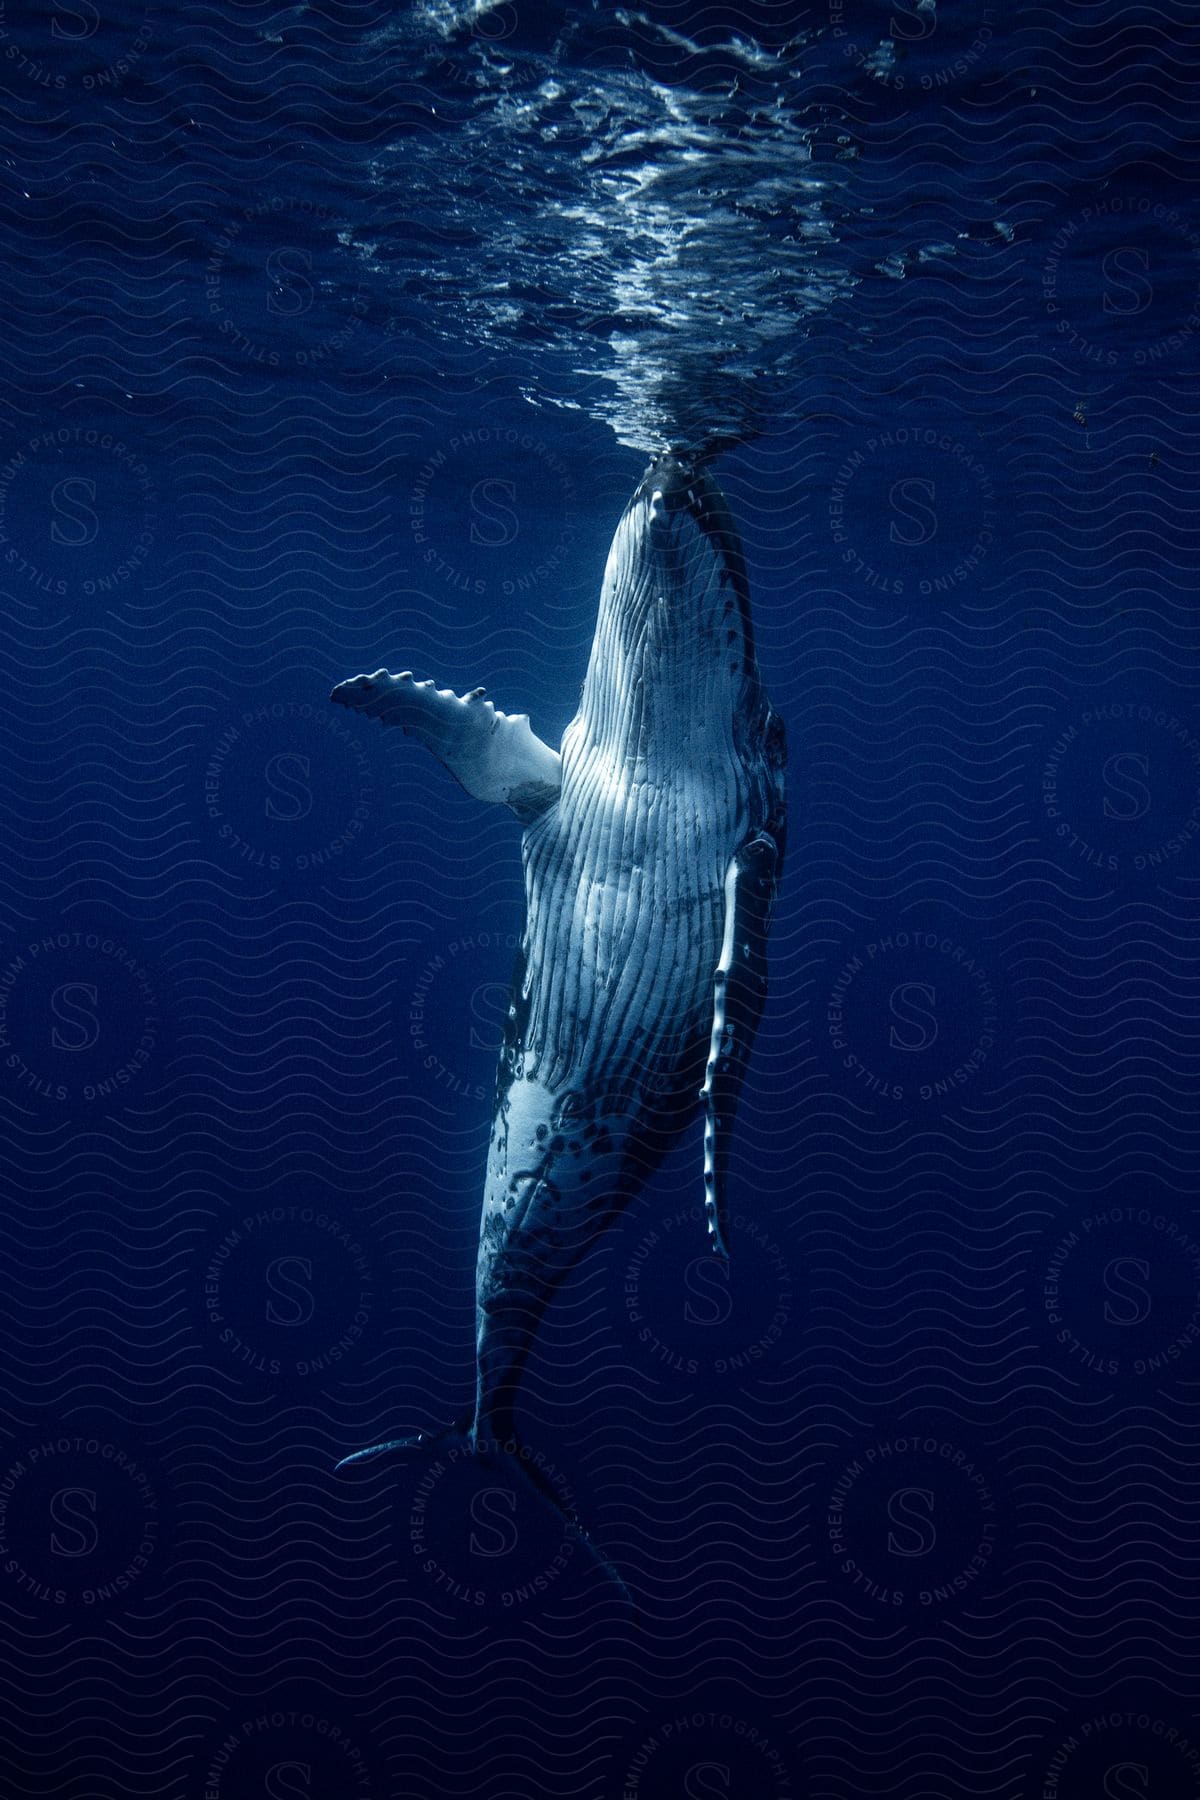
(337, 336)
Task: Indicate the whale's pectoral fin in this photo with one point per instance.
(494, 756)
(740, 990)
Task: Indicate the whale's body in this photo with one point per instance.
(652, 849)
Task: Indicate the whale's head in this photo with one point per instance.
(676, 576)
(674, 649)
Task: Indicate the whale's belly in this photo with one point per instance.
(624, 920)
(613, 1004)
(613, 1007)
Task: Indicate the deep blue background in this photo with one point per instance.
(909, 1504)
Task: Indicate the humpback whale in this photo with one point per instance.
(652, 846)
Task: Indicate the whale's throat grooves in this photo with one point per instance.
(625, 878)
(668, 661)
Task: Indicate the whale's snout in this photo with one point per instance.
(675, 586)
(681, 522)
(669, 502)
(671, 475)
(668, 487)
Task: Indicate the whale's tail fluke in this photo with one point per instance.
(528, 1469)
(420, 1440)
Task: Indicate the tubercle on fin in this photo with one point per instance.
(712, 1124)
(711, 1211)
(381, 683)
(720, 1045)
(739, 986)
(495, 756)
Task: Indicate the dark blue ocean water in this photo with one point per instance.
(336, 336)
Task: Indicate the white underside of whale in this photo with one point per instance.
(651, 854)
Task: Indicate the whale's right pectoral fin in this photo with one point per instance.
(740, 990)
(494, 756)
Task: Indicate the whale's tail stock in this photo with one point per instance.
(512, 1458)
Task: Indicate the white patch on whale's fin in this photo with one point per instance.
(494, 756)
(740, 987)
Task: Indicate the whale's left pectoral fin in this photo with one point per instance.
(740, 992)
(494, 756)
